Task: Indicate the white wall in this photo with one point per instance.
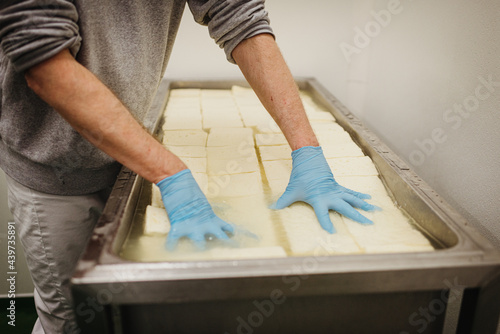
(415, 68)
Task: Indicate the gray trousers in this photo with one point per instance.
(53, 231)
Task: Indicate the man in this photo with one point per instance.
(77, 78)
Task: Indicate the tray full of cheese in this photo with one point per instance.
(242, 162)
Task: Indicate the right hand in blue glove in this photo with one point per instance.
(312, 182)
(189, 212)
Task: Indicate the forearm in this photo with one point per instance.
(99, 116)
(264, 68)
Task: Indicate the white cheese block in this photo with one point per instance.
(341, 150)
(277, 169)
(221, 121)
(156, 196)
(188, 151)
(156, 221)
(360, 166)
(279, 152)
(216, 93)
(196, 165)
(250, 214)
(277, 187)
(185, 92)
(185, 138)
(320, 116)
(391, 232)
(326, 126)
(228, 153)
(233, 166)
(270, 139)
(307, 237)
(183, 122)
(233, 185)
(332, 137)
(230, 137)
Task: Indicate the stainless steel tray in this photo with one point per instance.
(321, 294)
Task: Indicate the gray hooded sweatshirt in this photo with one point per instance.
(125, 43)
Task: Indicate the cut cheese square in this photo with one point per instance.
(188, 151)
(278, 187)
(307, 237)
(185, 138)
(249, 214)
(229, 153)
(221, 121)
(185, 92)
(360, 166)
(230, 137)
(233, 166)
(234, 185)
(280, 152)
(277, 169)
(391, 232)
(320, 116)
(156, 221)
(326, 126)
(174, 122)
(196, 165)
(341, 150)
(216, 93)
(270, 139)
(156, 200)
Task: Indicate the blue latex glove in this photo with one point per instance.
(189, 212)
(312, 182)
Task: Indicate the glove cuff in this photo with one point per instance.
(172, 178)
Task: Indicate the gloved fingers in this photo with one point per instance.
(219, 234)
(323, 216)
(288, 198)
(359, 203)
(172, 241)
(357, 194)
(345, 209)
(226, 227)
(198, 240)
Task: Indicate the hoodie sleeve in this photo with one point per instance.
(231, 21)
(32, 31)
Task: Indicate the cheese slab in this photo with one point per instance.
(354, 166)
(234, 185)
(196, 165)
(156, 221)
(230, 137)
(306, 236)
(185, 138)
(188, 151)
(279, 152)
(270, 139)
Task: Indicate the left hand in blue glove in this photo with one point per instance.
(312, 182)
(189, 212)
